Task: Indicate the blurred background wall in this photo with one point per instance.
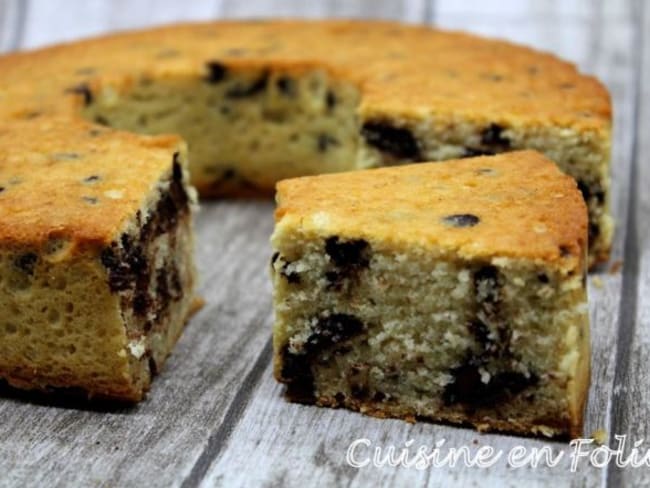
(571, 28)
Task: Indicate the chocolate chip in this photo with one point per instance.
(296, 372)
(334, 280)
(339, 397)
(543, 278)
(492, 137)
(330, 100)
(229, 174)
(331, 330)
(291, 276)
(2, 188)
(348, 258)
(163, 294)
(396, 141)
(171, 205)
(153, 368)
(287, 86)
(120, 276)
(325, 141)
(461, 220)
(91, 178)
(486, 284)
(101, 120)
(492, 142)
(481, 333)
(84, 90)
(177, 169)
(468, 388)
(274, 258)
(359, 392)
(243, 90)
(379, 396)
(591, 191)
(175, 285)
(141, 303)
(26, 262)
(465, 387)
(353, 252)
(216, 72)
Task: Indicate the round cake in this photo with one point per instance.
(100, 139)
(259, 101)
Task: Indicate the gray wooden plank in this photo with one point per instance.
(12, 24)
(51, 22)
(406, 10)
(295, 445)
(631, 399)
(158, 442)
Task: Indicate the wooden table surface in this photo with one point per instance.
(216, 417)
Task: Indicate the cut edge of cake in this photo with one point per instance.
(358, 317)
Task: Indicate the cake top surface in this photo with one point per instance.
(514, 205)
(81, 186)
(409, 71)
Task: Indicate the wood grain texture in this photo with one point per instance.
(13, 17)
(215, 416)
(631, 395)
(63, 20)
(406, 10)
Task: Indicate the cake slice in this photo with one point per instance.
(96, 268)
(442, 291)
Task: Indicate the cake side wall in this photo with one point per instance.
(415, 334)
(63, 327)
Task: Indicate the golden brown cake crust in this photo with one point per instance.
(401, 69)
(550, 212)
(80, 185)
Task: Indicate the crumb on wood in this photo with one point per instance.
(197, 304)
(616, 266)
(599, 436)
(597, 282)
